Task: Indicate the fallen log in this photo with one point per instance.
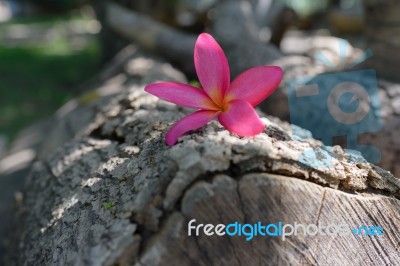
(117, 195)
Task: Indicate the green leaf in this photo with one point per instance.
(107, 205)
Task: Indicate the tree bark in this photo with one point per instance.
(245, 50)
(117, 195)
(385, 138)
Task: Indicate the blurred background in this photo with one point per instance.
(49, 48)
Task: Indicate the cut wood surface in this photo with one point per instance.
(117, 195)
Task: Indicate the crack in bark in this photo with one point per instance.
(320, 206)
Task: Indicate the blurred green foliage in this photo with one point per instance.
(37, 78)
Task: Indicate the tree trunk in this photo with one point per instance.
(173, 44)
(117, 195)
(110, 42)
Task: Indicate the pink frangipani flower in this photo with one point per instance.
(233, 104)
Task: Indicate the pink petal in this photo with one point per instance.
(182, 94)
(255, 84)
(212, 67)
(193, 121)
(240, 118)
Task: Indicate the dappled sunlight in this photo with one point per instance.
(90, 182)
(148, 115)
(59, 211)
(86, 182)
(76, 154)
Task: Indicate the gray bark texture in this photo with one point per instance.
(233, 25)
(115, 194)
(385, 139)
